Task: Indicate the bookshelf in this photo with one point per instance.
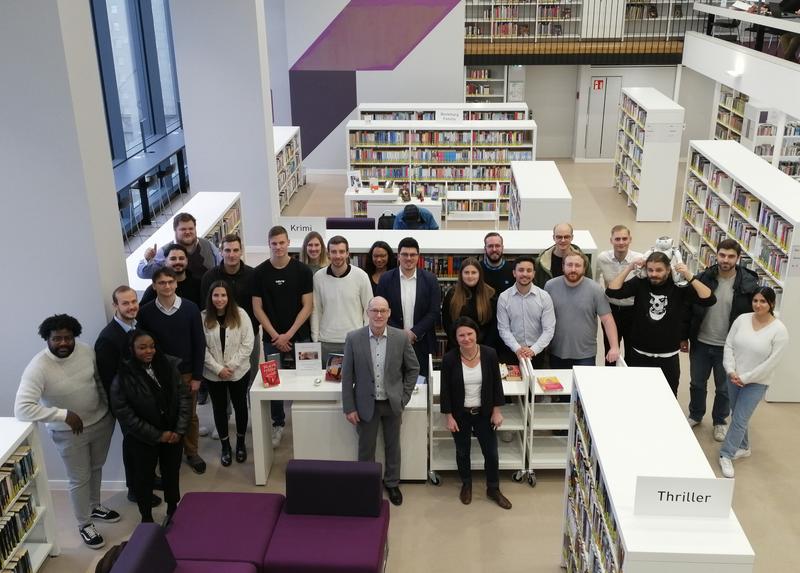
(430, 111)
(728, 113)
(647, 153)
(217, 214)
(458, 161)
(655, 18)
(538, 197)
(773, 136)
(289, 160)
(490, 21)
(601, 531)
(485, 83)
(732, 193)
(28, 529)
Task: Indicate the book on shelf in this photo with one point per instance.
(513, 373)
(269, 373)
(549, 383)
(333, 369)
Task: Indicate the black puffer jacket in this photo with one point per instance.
(136, 404)
(744, 286)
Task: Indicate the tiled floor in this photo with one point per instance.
(432, 531)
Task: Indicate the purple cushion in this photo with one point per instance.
(187, 566)
(146, 552)
(325, 487)
(212, 526)
(326, 543)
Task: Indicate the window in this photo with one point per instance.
(166, 69)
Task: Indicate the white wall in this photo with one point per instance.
(660, 77)
(696, 95)
(550, 93)
(305, 21)
(278, 62)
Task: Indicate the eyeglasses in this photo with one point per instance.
(378, 310)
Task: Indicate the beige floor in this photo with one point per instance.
(432, 531)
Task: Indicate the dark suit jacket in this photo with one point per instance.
(426, 306)
(111, 349)
(400, 371)
(452, 391)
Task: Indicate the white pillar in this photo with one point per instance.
(60, 230)
(223, 78)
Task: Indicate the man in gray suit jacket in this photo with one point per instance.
(379, 372)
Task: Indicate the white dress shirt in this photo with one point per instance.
(377, 346)
(609, 268)
(408, 298)
(169, 311)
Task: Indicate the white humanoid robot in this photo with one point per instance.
(664, 245)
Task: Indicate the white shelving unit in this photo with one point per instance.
(773, 136)
(728, 113)
(289, 160)
(538, 196)
(429, 111)
(217, 214)
(648, 149)
(40, 538)
(485, 83)
(732, 193)
(356, 203)
(607, 454)
(454, 159)
(648, 19)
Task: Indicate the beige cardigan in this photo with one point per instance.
(238, 345)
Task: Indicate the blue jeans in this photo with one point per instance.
(743, 403)
(558, 363)
(703, 359)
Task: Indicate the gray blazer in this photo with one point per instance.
(358, 378)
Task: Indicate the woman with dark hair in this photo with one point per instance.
(753, 348)
(313, 253)
(153, 407)
(229, 341)
(379, 260)
(471, 397)
(471, 297)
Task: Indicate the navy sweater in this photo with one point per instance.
(180, 334)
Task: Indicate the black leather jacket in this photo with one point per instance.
(136, 407)
(744, 285)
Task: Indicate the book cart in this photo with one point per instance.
(608, 453)
(28, 528)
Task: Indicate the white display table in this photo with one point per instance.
(353, 198)
(538, 197)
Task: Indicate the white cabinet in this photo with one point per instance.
(538, 196)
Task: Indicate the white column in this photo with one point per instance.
(223, 78)
(60, 231)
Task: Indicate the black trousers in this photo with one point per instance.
(145, 457)
(623, 318)
(671, 367)
(487, 438)
(219, 390)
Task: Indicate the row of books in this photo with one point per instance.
(764, 150)
(625, 184)
(789, 167)
(398, 115)
(792, 129)
(501, 155)
(717, 208)
(732, 100)
(766, 129)
(775, 261)
(15, 523)
(382, 137)
(287, 153)
(775, 226)
(495, 115)
(743, 232)
(479, 73)
(729, 119)
(460, 137)
(555, 12)
(712, 232)
(359, 154)
(792, 149)
(634, 151)
(511, 29)
(634, 110)
(15, 474)
(693, 214)
(482, 89)
(633, 130)
(746, 202)
(464, 205)
(19, 563)
(723, 133)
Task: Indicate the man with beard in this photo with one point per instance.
(498, 273)
(660, 308)
(203, 255)
(550, 263)
(578, 301)
(733, 288)
(177, 259)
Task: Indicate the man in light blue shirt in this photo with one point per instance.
(525, 318)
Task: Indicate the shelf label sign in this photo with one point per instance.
(451, 115)
(299, 227)
(683, 497)
(598, 85)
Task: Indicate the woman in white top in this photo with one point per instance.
(471, 396)
(229, 341)
(752, 350)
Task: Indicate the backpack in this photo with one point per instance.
(386, 221)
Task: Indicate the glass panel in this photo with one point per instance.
(119, 22)
(169, 90)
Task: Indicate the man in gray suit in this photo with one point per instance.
(379, 372)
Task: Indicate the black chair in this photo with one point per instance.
(731, 25)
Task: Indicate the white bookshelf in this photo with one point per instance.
(357, 202)
(485, 84)
(547, 419)
(430, 111)
(653, 18)
(450, 159)
(289, 160)
(773, 136)
(538, 196)
(731, 193)
(217, 214)
(40, 538)
(647, 153)
(601, 531)
(728, 113)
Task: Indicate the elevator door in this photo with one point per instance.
(603, 118)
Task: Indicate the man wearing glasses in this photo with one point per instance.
(379, 372)
(550, 263)
(414, 297)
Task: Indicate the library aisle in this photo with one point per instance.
(433, 531)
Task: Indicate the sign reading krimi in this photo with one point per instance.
(449, 115)
(687, 497)
(299, 227)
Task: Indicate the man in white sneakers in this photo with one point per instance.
(61, 387)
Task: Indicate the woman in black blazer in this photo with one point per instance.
(471, 396)
(153, 407)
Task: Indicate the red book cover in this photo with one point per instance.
(269, 373)
(549, 383)
(333, 370)
(514, 373)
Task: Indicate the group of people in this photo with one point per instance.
(199, 320)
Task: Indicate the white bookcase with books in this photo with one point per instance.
(728, 113)
(538, 196)
(648, 149)
(485, 83)
(773, 136)
(430, 111)
(28, 528)
(289, 160)
(463, 163)
(732, 193)
(602, 532)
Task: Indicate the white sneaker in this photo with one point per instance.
(215, 434)
(727, 467)
(203, 431)
(719, 432)
(91, 537)
(740, 453)
(277, 434)
(692, 421)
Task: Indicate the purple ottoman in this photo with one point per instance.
(328, 543)
(235, 527)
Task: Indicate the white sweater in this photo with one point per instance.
(752, 354)
(51, 385)
(238, 346)
(340, 304)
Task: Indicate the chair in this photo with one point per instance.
(731, 25)
(127, 212)
(163, 174)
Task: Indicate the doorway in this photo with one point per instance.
(603, 116)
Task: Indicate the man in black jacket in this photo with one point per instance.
(733, 287)
(111, 348)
